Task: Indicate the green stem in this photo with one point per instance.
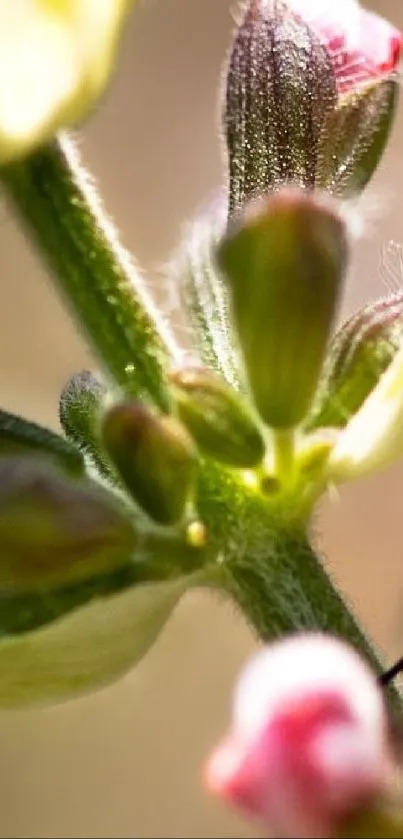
(61, 210)
(284, 451)
(284, 588)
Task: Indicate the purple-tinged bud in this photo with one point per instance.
(280, 87)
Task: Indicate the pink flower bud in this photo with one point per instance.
(308, 742)
(362, 45)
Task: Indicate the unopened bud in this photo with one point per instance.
(55, 530)
(358, 356)
(284, 261)
(280, 86)
(308, 742)
(154, 456)
(220, 422)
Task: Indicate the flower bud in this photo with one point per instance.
(154, 456)
(358, 356)
(280, 86)
(308, 744)
(218, 419)
(310, 96)
(284, 262)
(54, 530)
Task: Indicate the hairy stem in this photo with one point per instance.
(61, 210)
(286, 589)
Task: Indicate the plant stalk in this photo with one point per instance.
(61, 211)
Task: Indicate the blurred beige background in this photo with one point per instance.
(127, 762)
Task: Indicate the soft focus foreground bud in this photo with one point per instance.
(54, 530)
(280, 86)
(308, 745)
(154, 456)
(218, 419)
(310, 96)
(373, 439)
(56, 58)
(358, 356)
(284, 262)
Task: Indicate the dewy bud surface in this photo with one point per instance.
(280, 87)
(310, 96)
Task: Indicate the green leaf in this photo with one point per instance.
(19, 436)
(80, 407)
(284, 261)
(358, 355)
(89, 647)
(354, 137)
(62, 212)
(54, 530)
(154, 456)
(219, 420)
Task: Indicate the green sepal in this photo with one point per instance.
(56, 530)
(21, 437)
(354, 137)
(219, 420)
(284, 261)
(204, 296)
(80, 407)
(154, 456)
(358, 355)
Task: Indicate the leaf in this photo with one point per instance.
(19, 436)
(89, 647)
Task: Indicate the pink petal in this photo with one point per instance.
(362, 45)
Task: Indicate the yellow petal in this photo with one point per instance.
(56, 57)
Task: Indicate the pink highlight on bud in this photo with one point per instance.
(362, 45)
(308, 743)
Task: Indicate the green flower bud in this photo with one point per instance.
(358, 356)
(154, 456)
(280, 87)
(354, 137)
(284, 261)
(218, 419)
(54, 530)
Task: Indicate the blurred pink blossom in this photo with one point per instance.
(307, 744)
